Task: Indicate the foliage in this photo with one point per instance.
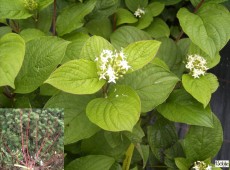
(122, 72)
(32, 138)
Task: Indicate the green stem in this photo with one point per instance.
(105, 90)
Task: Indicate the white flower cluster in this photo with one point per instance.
(138, 13)
(112, 65)
(197, 65)
(200, 165)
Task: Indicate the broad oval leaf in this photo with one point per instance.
(181, 107)
(119, 111)
(168, 2)
(77, 125)
(76, 77)
(95, 162)
(201, 88)
(144, 21)
(196, 2)
(104, 8)
(125, 16)
(158, 28)
(155, 8)
(152, 83)
(12, 51)
(73, 50)
(31, 33)
(99, 144)
(168, 52)
(94, 46)
(100, 27)
(211, 61)
(133, 5)
(42, 56)
(161, 135)
(125, 35)
(197, 145)
(72, 17)
(211, 27)
(14, 9)
(141, 53)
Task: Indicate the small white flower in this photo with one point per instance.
(197, 65)
(124, 65)
(209, 167)
(41, 163)
(111, 65)
(139, 12)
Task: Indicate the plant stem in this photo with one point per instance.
(54, 18)
(105, 89)
(195, 10)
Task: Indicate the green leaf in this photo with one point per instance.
(77, 125)
(134, 4)
(136, 135)
(161, 135)
(171, 153)
(31, 33)
(152, 83)
(201, 88)
(94, 46)
(211, 61)
(48, 90)
(5, 30)
(44, 3)
(104, 8)
(99, 145)
(197, 145)
(124, 16)
(116, 166)
(76, 77)
(101, 27)
(196, 2)
(13, 9)
(211, 27)
(144, 152)
(182, 163)
(125, 35)
(158, 29)
(181, 107)
(141, 53)
(73, 50)
(144, 21)
(168, 52)
(168, 2)
(43, 22)
(42, 56)
(119, 111)
(12, 50)
(155, 8)
(72, 17)
(95, 162)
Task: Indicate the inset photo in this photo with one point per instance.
(32, 139)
